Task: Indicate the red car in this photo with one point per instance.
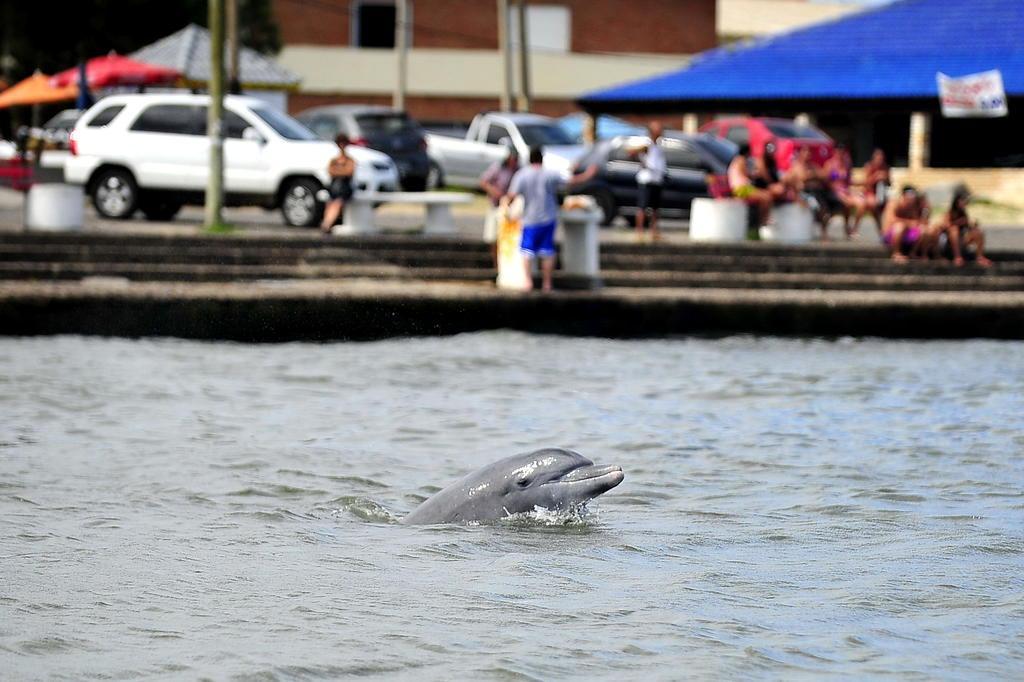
(787, 136)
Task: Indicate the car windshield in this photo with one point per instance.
(540, 134)
(377, 124)
(284, 125)
(718, 147)
(789, 130)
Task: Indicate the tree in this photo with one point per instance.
(40, 36)
(48, 37)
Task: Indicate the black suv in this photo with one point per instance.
(690, 159)
(381, 128)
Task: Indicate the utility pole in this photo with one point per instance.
(505, 46)
(215, 112)
(231, 14)
(524, 59)
(401, 52)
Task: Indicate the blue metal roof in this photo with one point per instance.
(892, 51)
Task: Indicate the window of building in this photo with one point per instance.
(373, 23)
(548, 28)
(179, 119)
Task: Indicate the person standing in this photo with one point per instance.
(341, 169)
(649, 180)
(539, 189)
(495, 182)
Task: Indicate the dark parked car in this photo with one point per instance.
(690, 160)
(381, 128)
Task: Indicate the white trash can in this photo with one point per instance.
(55, 206)
(718, 220)
(581, 245)
(791, 224)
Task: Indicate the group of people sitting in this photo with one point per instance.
(829, 190)
(908, 232)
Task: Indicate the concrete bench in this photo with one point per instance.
(718, 220)
(55, 206)
(791, 224)
(360, 218)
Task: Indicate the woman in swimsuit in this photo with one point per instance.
(341, 169)
(960, 231)
(838, 171)
(876, 186)
(743, 186)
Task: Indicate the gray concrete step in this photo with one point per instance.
(225, 272)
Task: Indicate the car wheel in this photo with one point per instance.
(299, 204)
(115, 194)
(606, 202)
(160, 210)
(435, 177)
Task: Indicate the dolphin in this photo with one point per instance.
(552, 478)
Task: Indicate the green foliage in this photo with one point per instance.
(53, 37)
(220, 228)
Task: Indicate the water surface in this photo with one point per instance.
(791, 509)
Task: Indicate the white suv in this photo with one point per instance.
(150, 152)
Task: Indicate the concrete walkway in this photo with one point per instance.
(399, 219)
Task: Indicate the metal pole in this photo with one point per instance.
(524, 59)
(215, 183)
(231, 14)
(504, 45)
(401, 52)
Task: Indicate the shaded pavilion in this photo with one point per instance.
(869, 79)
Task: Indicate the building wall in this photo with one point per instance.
(739, 19)
(430, 108)
(1001, 185)
(455, 69)
(628, 26)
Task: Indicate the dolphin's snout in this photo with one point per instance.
(591, 481)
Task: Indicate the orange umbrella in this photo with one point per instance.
(36, 89)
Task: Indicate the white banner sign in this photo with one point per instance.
(976, 95)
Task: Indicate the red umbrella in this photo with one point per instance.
(113, 70)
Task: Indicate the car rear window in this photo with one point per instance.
(284, 125)
(788, 130)
(681, 156)
(105, 116)
(177, 119)
(538, 134)
(372, 124)
(723, 150)
(326, 127)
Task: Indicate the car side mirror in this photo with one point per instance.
(252, 135)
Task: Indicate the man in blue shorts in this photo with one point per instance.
(539, 189)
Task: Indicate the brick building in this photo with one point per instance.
(344, 49)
